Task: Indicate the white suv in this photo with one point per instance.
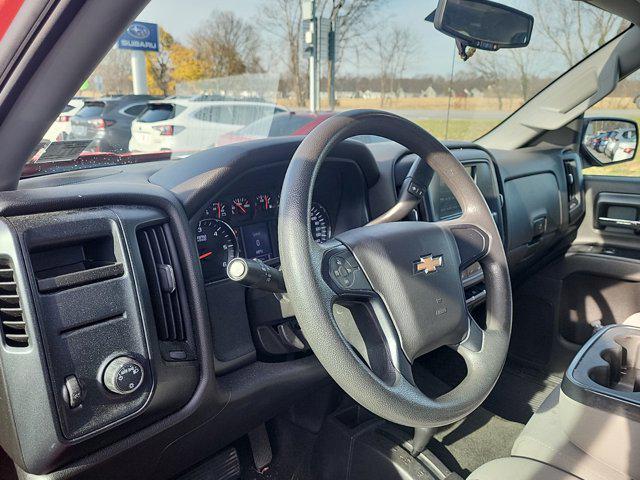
(183, 126)
(60, 129)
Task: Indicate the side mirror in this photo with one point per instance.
(609, 140)
(483, 24)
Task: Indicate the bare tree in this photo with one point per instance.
(524, 64)
(115, 73)
(492, 70)
(355, 21)
(593, 28)
(159, 66)
(227, 45)
(282, 19)
(392, 48)
(352, 20)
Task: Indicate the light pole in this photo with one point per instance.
(311, 40)
(331, 78)
(139, 72)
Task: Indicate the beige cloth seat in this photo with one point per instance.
(633, 320)
(543, 451)
(516, 468)
(544, 439)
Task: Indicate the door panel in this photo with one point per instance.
(615, 198)
(597, 282)
(603, 284)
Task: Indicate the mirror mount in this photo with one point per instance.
(462, 46)
(481, 24)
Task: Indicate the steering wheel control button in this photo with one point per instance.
(341, 271)
(72, 391)
(123, 376)
(345, 272)
(417, 190)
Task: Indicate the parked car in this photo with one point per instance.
(596, 139)
(281, 124)
(612, 143)
(605, 140)
(60, 129)
(623, 145)
(107, 121)
(186, 125)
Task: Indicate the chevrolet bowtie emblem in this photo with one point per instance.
(427, 264)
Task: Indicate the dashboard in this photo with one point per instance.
(245, 225)
(243, 221)
(129, 261)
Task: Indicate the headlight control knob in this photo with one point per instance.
(123, 375)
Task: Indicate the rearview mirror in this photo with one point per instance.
(609, 140)
(483, 24)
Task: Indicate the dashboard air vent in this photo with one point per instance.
(14, 330)
(162, 269)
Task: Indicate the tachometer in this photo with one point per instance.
(320, 223)
(217, 246)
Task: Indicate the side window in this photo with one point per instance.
(135, 110)
(208, 114)
(244, 115)
(611, 140)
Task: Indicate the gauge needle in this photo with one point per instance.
(239, 205)
(205, 255)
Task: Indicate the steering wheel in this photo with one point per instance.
(404, 275)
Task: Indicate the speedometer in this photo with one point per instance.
(217, 246)
(320, 223)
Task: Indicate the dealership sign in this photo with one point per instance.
(140, 36)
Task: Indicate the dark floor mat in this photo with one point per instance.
(292, 451)
(481, 437)
(519, 392)
(517, 395)
(7, 470)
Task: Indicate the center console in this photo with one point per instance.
(606, 372)
(590, 426)
(599, 406)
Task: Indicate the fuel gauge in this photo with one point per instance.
(265, 204)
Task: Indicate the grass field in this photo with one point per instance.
(627, 169)
(505, 105)
(459, 129)
(469, 129)
(473, 128)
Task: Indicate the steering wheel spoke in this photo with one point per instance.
(471, 240)
(361, 314)
(471, 345)
(367, 327)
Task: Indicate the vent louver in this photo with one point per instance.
(14, 329)
(162, 269)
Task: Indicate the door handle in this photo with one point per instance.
(619, 222)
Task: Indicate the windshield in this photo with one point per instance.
(208, 73)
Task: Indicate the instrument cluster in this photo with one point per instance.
(246, 226)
